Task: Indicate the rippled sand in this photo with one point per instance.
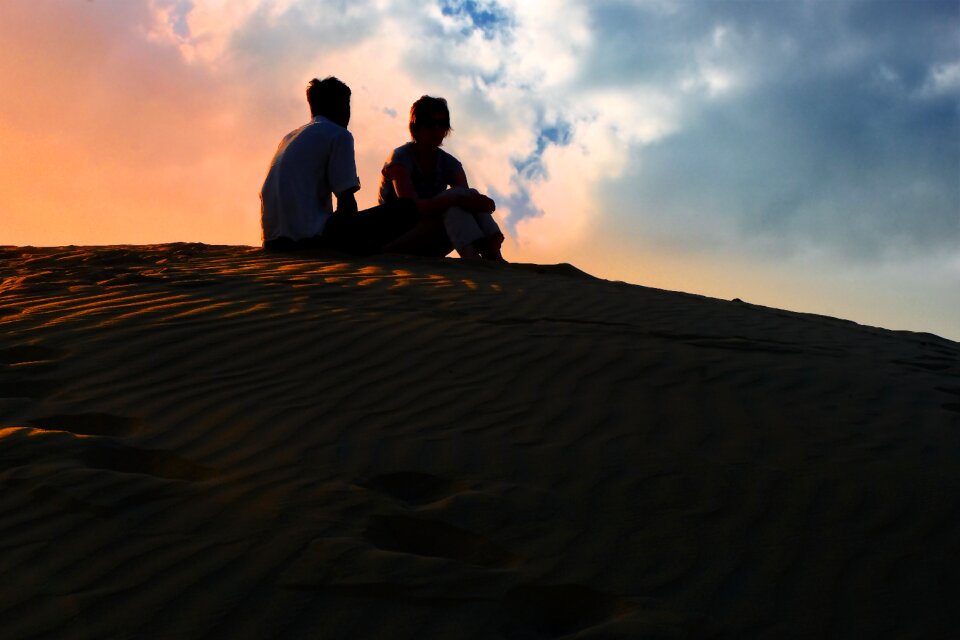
(202, 441)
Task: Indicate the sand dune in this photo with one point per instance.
(204, 441)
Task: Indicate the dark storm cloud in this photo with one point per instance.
(840, 138)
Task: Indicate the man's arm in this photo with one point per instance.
(342, 173)
(346, 202)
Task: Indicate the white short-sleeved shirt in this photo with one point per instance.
(310, 165)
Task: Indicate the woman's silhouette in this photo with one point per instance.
(422, 171)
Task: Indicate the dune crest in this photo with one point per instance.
(204, 441)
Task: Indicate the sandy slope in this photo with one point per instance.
(207, 442)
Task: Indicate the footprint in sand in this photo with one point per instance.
(88, 424)
(21, 360)
(423, 537)
(564, 610)
(151, 462)
(412, 487)
(24, 353)
(736, 343)
(63, 447)
(951, 406)
(552, 611)
(60, 446)
(26, 388)
(929, 363)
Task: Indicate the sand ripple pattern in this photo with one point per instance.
(212, 442)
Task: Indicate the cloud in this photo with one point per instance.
(723, 126)
(786, 127)
(943, 81)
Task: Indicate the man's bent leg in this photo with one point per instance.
(371, 230)
(283, 244)
(428, 238)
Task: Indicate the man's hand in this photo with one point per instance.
(346, 203)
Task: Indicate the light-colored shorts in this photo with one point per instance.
(465, 227)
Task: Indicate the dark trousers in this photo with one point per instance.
(362, 233)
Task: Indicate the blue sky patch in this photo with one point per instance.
(531, 167)
(178, 18)
(487, 17)
(519, 204)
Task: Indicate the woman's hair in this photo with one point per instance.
(424, 109)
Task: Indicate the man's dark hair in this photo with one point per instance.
(329, 98)
(425, 108)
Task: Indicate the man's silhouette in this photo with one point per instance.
(315, 163)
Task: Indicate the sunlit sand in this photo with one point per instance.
(203, 441)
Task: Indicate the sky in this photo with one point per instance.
(800, 154)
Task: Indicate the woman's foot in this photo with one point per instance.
(469, 252)
(489, 248)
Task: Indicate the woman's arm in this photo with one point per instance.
(476, 202)
(403, 186)
(459, 178)
(399, 176)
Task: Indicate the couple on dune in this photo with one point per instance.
(426, 206)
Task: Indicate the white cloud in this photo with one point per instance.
(505, 86)
(202, 29)
(943, 80)
(544, 114)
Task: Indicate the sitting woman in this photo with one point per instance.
(435, 180)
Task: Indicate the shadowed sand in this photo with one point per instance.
(203, 441)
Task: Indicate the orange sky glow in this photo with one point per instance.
(142, 122)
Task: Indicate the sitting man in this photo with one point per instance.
(314, 163)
